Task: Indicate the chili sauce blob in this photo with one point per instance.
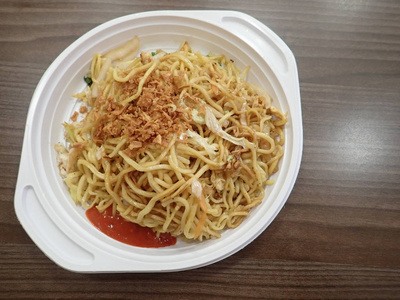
(127, 232)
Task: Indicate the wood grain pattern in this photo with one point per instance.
(338, 236)
(236, 277)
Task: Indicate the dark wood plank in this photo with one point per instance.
(236, 277)
(338, 236)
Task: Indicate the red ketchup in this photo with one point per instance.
(126, 232)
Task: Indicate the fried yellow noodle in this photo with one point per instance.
(178, 142)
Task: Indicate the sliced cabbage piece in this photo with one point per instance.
(212, 149)
(213, 124)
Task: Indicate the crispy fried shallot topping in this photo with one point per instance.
(151, 119)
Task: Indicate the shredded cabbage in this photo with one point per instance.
(243, 116)
(213, 124)
(197, 189)
(197, 118)
(212, 149)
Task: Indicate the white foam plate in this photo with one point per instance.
(42, 202)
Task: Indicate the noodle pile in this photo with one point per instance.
(178, 142)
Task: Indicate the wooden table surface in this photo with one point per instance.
(338, 236)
